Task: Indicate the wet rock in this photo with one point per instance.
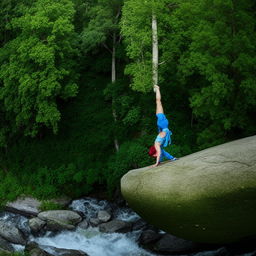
(36, 225)
(34, 250)
(149, 236)
(104, 216)
(61, 216)
(207, 197)
(94, 222)
(27, 206)
(83, 224)
(118, 226)
(67, 252)
(11, 233)
(139, 225)
(5, 246)
(173, 244)
(55, 226)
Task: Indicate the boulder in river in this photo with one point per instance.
(117, 226)
(172, 244)
(61, 216)
(104, 216)
(34, 250)
(5, 245)
(11, 233)
(208, 196)
(36, 225)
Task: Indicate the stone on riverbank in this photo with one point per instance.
(208, 196)
(5, 246)
(104, 216)
(172, 244)
(34, 250)
(36, 224)
(61, 216)
(117, 226)
(27, 206)
(11, 233)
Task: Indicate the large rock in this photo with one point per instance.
(117, 226)
(208, 196)
(27, 206)
(5, 246)
(36, 225)
(11, 233)
(61, 216)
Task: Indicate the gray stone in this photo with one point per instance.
(149, 236)
(208, 196)
(104, 216)
(139, 225)
(34, 250)
(67, 252)
(54, 225)
(117, 226)
(61, 216)
(11, 233)
(27, 206)
(36, 225)
(94, 222)
(83, 224)
(172, 244)
(5, 245)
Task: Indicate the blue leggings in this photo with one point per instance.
(165, 154)
(162, 121)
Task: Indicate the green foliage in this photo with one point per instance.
(10, 187)
(103, 21)
(136, 27)
(130, 156)
(47, 205)
(38, 66)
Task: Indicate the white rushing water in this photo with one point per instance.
(91, 240)
(94, 243)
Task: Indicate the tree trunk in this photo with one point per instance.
(113, 79)
(154, 50)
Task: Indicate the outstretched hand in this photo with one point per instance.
(154, 165)
(156, 87)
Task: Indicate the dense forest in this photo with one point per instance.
(77, 107)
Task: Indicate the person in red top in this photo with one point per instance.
(164, 136)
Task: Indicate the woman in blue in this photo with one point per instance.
(164, 137)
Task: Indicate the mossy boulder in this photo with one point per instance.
(208, 196)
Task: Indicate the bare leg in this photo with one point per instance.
(159, 107)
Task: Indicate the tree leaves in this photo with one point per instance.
(38, 65)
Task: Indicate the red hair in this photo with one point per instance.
(152, 150)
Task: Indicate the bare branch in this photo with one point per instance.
(162, 62)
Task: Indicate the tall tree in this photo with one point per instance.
(103, 30)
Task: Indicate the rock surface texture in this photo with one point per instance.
(208, 196)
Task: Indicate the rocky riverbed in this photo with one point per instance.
(95, 227)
